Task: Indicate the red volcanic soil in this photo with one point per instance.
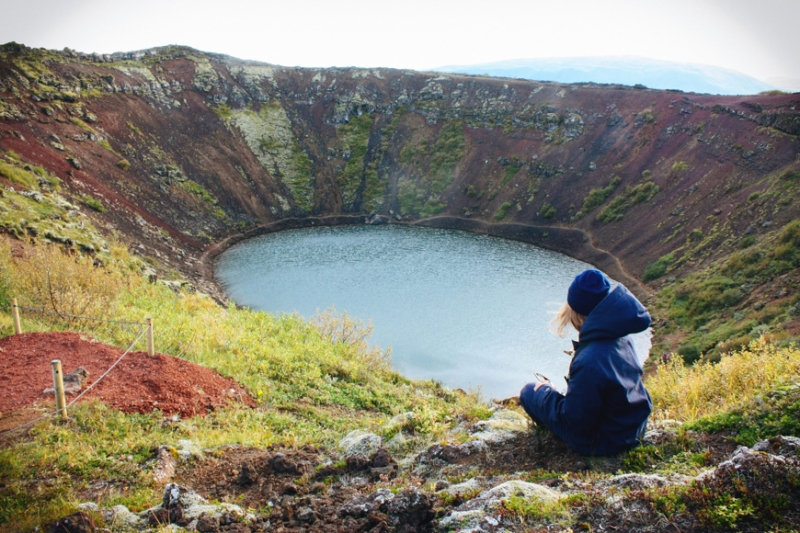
(138, 384)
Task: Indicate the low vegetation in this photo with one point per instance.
(597, 197)
(436, 163)
(314, 381)
(734, 300)
(633, 195)
(689, 393)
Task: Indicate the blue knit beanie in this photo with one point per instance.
(587, 290)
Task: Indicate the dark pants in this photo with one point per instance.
(598, 445)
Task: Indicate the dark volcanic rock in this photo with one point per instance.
(79, 522)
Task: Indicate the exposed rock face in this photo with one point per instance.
(248, 144)
(480, 513)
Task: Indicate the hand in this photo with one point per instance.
(543, 380)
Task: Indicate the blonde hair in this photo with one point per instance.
(566, 316)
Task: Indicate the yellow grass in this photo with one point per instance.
(687, 393)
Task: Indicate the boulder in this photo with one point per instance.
(784, 446)
(503, 425)
(166, 461)
(459, 490)
(361, 443)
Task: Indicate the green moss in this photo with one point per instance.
(512, 169)
(422, 193)
(82, 125)
(134, 129)
(105, 144)
(776, 413)
(355, 141)
(270, 137)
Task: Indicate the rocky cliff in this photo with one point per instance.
(181, 149)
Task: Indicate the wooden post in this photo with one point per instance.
(150, 346)
(58, 385)
(15, 314)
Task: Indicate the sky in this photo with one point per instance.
(754, 37)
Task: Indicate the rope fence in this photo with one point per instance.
(146, 328)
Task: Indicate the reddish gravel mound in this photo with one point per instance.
(139, 383)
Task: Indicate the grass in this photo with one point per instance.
(18, 175)
(721, 307)
(679, 166)
(708, 389)
(768, 414)
(314, 382)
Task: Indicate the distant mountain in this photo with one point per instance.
(621, 70)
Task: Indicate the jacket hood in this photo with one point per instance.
(617, 315)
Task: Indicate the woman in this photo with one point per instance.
(606, 406)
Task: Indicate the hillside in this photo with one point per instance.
(143, 166)
(181, 149)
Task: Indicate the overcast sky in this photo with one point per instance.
(755, 37)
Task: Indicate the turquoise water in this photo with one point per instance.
(467, 310)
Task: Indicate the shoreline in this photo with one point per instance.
(571, 242)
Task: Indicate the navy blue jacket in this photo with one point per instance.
(606, 405)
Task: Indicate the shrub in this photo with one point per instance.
(746, 242)
(597, 197)
(679, 166)
(93, 203)
(471, 191)
(659, 268)
(547, 211)
(632, 196)
(754, 196)
(790, 175)
(124, 164)
(689, 353)
(501, 212)
(223, 111)
(688, 393)
(67, 284)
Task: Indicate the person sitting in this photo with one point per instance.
(606, 406)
